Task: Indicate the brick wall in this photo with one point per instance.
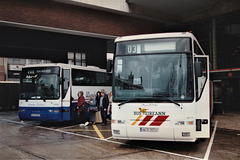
(2, 78)
(55, 14)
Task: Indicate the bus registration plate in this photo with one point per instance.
(35, 115)
(148, 129)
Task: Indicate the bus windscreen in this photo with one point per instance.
(40, 83)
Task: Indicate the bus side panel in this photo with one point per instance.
(66, 107)
(66, 113)
(88, 90)
(203, 114)
(203, 103)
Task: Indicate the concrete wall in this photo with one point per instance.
(9, 93)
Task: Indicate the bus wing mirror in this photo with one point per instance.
(109, 65)
(198, 69)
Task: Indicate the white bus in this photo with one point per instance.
(48, 92)
(160, 88)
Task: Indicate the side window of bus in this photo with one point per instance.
(200, 75)
(65, 82)
(90, 78)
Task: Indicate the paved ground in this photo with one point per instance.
(227, 140)
(34, 140)
(228, 121)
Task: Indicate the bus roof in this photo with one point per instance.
(67, 66)
(156, 35)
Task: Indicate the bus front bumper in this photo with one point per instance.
(43, 114)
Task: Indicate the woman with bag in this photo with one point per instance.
(81, 109)
(92, 109)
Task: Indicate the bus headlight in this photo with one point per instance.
(53, 111)
(21, 110)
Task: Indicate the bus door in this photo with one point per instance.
(202, 87)
(66, 95)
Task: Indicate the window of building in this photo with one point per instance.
(15, 66)
(34, 61)
(78, 59)
(16, 61)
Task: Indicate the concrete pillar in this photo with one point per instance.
(1, 70)
(214, 44)
(5, 62)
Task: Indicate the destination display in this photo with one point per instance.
(154, 46)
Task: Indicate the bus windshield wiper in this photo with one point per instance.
(148, 99)
(138, 100)
(169, 99)
(129, 100)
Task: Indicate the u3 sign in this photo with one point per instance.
(133, 49)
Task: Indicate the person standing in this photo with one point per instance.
(98, 118)
(98, 96)
(109, 109)
(92, 103)
(82, 109)
(104, 102)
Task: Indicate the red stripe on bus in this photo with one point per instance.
(225, 70)
(145, 120)
(159, 120)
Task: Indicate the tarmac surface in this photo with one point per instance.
(34, 140)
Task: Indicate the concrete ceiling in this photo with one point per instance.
(180, 11)
(168, 12)
(176, 7)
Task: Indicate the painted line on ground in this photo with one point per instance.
(68, 127)
(22, 123)
(81, 130)
(98, 132)
(207, 154)
(114, 142)
(108, 138)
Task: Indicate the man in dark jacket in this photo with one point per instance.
(104, 102)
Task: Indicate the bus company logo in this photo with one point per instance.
(152, 118)
(31, 76)
(143, 111)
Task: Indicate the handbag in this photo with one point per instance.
(82, 107)
(93, 108)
